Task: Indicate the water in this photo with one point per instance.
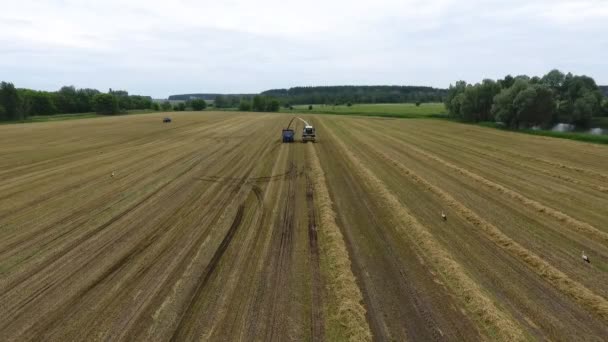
(598, 131)
(563, 127)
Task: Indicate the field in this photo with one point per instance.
(396, 110)
(208, 228)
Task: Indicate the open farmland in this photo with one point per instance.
(212, 229)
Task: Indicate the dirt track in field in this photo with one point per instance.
(211, 229)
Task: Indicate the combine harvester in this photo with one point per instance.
(308, 133)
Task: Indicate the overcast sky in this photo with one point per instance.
(160, 48)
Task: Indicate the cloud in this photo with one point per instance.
(160, 47)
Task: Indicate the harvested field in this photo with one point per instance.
(212, 229)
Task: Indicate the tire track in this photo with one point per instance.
(282, 260)
(126, 290)
(116, 266)
(36, 235)
(317, 324)
(210, 269)
(88, 235)
(198, 292)
(163, 229)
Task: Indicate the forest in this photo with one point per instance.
(19, 104)
(524, 101)
(357, 94)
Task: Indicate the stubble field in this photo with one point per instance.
(212, 229)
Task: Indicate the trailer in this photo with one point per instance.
(288, 135)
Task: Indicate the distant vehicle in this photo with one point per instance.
(308, 134)
(166, 120)
(288, 135)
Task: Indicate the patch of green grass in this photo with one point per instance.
(393, 110)
(579, 136)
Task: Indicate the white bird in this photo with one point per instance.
(112, 173)
(443, 216)
(585, 257)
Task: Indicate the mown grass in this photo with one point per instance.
(578, 136)
(75, 116)
(393, 110)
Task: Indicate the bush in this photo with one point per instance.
(155, 106)
(198, 104)
(418, 103)
(106, 104)
(348, 104)
(309, 107)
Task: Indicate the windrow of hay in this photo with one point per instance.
(496, 323)
(556, 278)
(567, 220)
(346, 319)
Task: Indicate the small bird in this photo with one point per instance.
(112, 173)
(443, 216)
(585, 257)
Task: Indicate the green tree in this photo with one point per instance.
(180, 107)
(453, 106)
(105, 104)
(155, 106)
(166, 106)
(468, 104)
(245, 105)
(309, 107)
(259, 103)
(11, 102)
(273, 105)
(198, 104)
(221, 102)
(534, 105)
(507, 82)
(486, 92)
(584, 108)
(503, 108)
(554, 79)
(39, 102)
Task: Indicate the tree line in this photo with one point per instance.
(524, 101)
(357, 94)
(19, 104)
(260, 103)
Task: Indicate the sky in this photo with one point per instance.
(159, 48)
